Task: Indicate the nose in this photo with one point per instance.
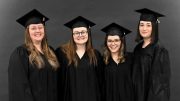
(113, 43)
(144, 27)
(37, 30)
(80, 33)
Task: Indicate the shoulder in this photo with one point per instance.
(138, 46)
(20, 50)
(50, 47)
(160, 48)
(97, 52)
(129, 54)
(20, 53)
(59, 50)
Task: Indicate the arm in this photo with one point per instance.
(19, 87)
(161, 76)
(100, 74)
(61, 73)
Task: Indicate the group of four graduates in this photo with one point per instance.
(76, 71)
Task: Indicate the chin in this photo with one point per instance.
(114, 51)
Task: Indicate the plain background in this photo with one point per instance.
(99, 11)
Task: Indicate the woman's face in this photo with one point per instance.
(145, 29)
(114, 43)
(80, 35)
(36, 32)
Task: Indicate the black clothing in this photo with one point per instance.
(151, 73)
(27, 82)
(118, 82)
(81, 83)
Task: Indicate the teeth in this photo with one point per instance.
(113, 47)
(37, 35)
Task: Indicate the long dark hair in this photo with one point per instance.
(154, 34)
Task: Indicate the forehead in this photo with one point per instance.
(34, 25)
(113, 37)
(79, 29)
(145, 22)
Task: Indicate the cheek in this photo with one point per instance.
(108, 45)
(31, 33)
(140, 29)
(150, 30)
(119, 44)
(74, 38)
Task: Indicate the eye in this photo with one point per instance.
(109, 41)
(116, 40)
(141, 25)
(83, 32)
(149, 25)
(32, 28)
(40, 27)
(76, 33)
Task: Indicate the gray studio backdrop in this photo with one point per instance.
(99, 11)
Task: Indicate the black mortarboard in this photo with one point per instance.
(79, 22)
(149, 15)
(32, 17)
(115, 29)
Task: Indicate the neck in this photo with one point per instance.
(81, 47)
(38, 46)
(115, 57)
(80, 50)
(146, 42)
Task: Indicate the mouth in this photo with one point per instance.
(113, 48)
(80, 38)
(144, 32)
(37, 35)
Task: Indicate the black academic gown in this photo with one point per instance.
(151, 73)
(81, 83)
(118, 82)
(26, 82)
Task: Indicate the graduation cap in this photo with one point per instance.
(149, 15)
(79, 22)
(115, 29)
(32, 17)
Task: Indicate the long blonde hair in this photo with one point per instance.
(70, 50)
(107, 53)
(35, 55)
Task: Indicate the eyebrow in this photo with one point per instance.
(146, 23)
(80, 31)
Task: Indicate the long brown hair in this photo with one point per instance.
(70, 50)
(107, 53)
(35, 55)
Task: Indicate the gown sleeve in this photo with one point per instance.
(161, 76)
(19, 87)
(100, 74)
(62, 73)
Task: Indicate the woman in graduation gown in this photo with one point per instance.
(80, 75)
(118, 82)
(151, 67)
(32, 66)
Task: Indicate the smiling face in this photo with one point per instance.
(36, 32)
(113, 43)
(80, 35)
(145, 29)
